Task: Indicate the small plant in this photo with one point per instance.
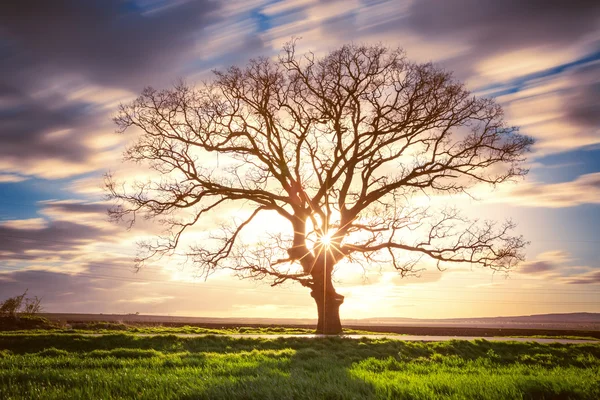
(12, 305)
(33, 305)
(20, 305)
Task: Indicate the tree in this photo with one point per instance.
(339, 147)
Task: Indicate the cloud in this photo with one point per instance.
(583, 190)
(52, 239)
(58, 90)
(111, 287)
(49, 128)
(95, 215)
(75, 235)
(445, 32)
(510, 46)
(558, 108)
(234, 39)
(285, 7)
(537, 267)
(64, 66)
(110, 42)
(583, 99)
(79, 262)
(558, 266)
(543, 54)
(24, 224)
(11, 178)
(493, 27)
(509, 21)
(67, 237)
(592, 277)
(74, 210)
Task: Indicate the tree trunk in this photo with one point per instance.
(328, 306)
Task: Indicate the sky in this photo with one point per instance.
(66, 65)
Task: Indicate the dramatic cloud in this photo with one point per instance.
(491, 26)
(583, 100)
(55, 237)
(66, 64)
(509, 21)
(111, 42)
(490, 36)
(58, 89)
(70, 236)
(51, 123)
(515, 47)
(560, 109)
(95, 215)
(41, 129)
(526, 49)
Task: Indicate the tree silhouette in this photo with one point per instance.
(340, 147)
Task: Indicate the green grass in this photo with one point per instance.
(115, 366)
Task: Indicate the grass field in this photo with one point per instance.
(38, 325)
(59, 366)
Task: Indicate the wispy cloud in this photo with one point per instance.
(592, 277)
(536, 267)
(583, 190)
(559, 267)
(9, 178)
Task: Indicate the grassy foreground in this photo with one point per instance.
(115, 366)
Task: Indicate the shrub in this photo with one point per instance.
(21, 305)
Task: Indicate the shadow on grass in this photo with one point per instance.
(301, 374)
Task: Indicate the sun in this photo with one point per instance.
(326, 239)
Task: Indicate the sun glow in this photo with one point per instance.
(326, 239)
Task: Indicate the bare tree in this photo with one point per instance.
(339, 147)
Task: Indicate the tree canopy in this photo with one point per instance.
(340, 147)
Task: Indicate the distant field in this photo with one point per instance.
(572, 321)
(36, 325)
(151, 324)
(70, 366)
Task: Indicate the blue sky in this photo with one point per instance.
(66, 65)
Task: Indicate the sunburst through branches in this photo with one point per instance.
(326, 239)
